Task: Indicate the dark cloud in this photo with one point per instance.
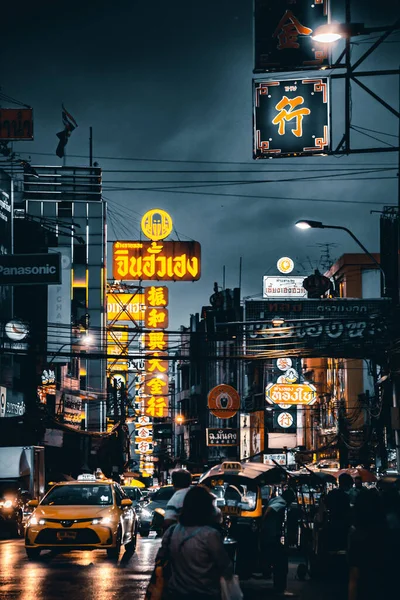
(172, 81)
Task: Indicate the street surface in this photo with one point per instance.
(90, 576)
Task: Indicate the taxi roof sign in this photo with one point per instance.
(86, 477)
(232, 467)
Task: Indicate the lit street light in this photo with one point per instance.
(86, 341)
(331, 32)
(308, 224)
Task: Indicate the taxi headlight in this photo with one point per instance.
(102, 521)
(35, 521)
(8, 504)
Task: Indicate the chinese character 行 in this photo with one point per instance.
(287, 115)
(156, 407)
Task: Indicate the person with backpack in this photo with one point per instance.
(273, 552)
(195, 552)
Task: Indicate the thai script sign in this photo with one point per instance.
(167, 261)
(282, 35)
(291, 117)
(125, 307)
(297, 393)
(337, 327)
(283, 287)
(222, 437)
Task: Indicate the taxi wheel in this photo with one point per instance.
(32, 553)
(113, 553)
(131, 546)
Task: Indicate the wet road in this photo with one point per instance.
(91, 576)
(75, 575)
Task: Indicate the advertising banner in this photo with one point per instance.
(245, 432)
(16, 124)
(125, 307)
(164, 261)
(282, 35)
(5, 239)
(222, 437)
(337, 327)
(283, 287)
(30, 269)
(72, 413)
(59, 309)
(293, 394)
(291, 117)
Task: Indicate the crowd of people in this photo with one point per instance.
(361, 523)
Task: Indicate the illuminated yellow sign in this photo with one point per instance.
(156, 318)
(294, 394)
(156, 296)
(166, 261)
(156, 224)
(125, 307)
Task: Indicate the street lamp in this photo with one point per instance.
(331, 32)
(85, 341)
(308, 224)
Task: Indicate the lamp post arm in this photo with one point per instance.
(367, 252)
(58, 352)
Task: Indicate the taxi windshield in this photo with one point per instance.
(236, 495)
(87, 495)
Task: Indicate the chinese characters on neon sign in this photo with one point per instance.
(283, 31)
(291, 117)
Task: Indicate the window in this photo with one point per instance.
(65, 209)
(118, 494)
(75, 495)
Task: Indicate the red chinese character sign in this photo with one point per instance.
(291, 117)
(282, 35)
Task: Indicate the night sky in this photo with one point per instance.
(167, 86)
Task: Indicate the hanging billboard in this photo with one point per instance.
(222, 437)
(283, 287)
(125, 307)
(159, 261)
(332, 327)
(59, 309)
(16, 124)
(291, 117)
(282, 35)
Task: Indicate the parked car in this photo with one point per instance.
(135, 494)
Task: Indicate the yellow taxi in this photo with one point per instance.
(86, 514)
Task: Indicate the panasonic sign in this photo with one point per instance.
(30, 269)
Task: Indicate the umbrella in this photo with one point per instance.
(366, 476)
(314, 478)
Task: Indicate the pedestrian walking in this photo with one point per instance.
(197, 558)
(369, 552)
(339, 510)
(358, 489)
(181, 480)
(273, 552)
